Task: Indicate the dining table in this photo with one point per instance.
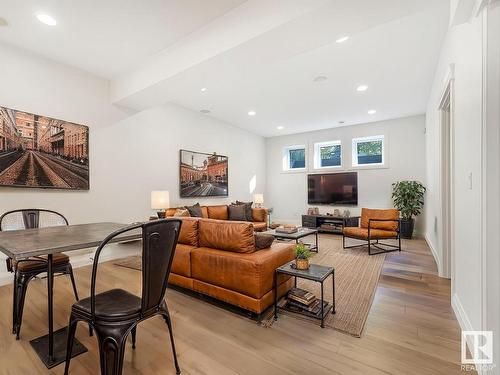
(26, 243)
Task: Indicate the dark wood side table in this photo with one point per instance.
(315, 273)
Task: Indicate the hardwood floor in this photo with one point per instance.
(411, 329)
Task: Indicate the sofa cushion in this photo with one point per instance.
(236, 212)
(217, 212)
(362, 233)
(263, 240)
(181, 264)
(189, 231)
(195, 210)
(259, 226)
(389, 214)
(251, 274)
(248, 209)
(225, 235)
(259, 214)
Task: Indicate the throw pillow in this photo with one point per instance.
(248, 209)
(181, 212)
(263, 240)
(195, 210)
(237, 212)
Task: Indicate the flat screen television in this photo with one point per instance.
(333, 188)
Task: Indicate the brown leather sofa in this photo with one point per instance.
(218, 258)
(220, 212)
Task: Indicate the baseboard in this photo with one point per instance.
(434, 254)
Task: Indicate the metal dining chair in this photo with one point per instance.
(116, 313)
(25, 270)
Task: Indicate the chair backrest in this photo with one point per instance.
(388, 214)
(159, 239)
(31, 218)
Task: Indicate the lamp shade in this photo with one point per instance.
(258, 198)
(160, 199)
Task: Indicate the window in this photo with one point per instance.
(294, 158)
(328, 155)
(368, 151)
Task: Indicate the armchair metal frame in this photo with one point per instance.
(23, 277)
(159, 239)
(377, 244)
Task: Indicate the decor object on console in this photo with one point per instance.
(203, 175)
(376, 225)
(408, 197)
(42, 152)
(302, 255)
(160, 200)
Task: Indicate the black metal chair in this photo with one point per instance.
(115, 313)
(25, 270)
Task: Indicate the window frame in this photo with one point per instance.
(317, 154)
(356, 141)
(286, 158)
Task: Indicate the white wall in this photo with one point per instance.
(130, 155)
(463, 48)
(286, 192)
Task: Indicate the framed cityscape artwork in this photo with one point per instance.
(42, 152)
(203, 175)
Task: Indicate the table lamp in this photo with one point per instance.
(160, 201)
(258, 199)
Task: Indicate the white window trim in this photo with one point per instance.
(354, 157)
(317, 154)
(286, 158)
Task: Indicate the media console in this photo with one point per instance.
(329, 224)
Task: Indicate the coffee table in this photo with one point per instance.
(296, 236)
(315, 273)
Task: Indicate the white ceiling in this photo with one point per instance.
(105, 37)
(253, 55)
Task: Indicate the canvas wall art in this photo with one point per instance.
(203, 175)
(42, 152)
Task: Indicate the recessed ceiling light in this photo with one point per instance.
(341, 122)
(46, 19)
(372, 112)
(203, 89)
(280, 127)
(205, 111)
(342, 39)
(362, 88)
(320, 78)
(252, 113)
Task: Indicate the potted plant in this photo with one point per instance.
(302, 255)
(408, 197)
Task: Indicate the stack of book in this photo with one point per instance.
(302, 301)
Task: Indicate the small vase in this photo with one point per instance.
(302, 264)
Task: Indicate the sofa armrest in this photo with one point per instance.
(260, 215)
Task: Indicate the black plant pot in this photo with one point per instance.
(407, 226)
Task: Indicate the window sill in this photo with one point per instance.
(369, 166)
(296, 170)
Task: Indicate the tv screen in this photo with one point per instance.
(333, 188)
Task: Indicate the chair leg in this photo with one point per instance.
(112, 340)
(369, 247)
(22, 281)
(91, 331)
(70, 272)
(166, 316)
(134, 334)
(343, 241)
(71, 338)
(14, 304)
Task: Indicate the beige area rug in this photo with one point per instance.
(356, 279)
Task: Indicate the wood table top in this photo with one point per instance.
(19, 244)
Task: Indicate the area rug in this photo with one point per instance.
(356, 279)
